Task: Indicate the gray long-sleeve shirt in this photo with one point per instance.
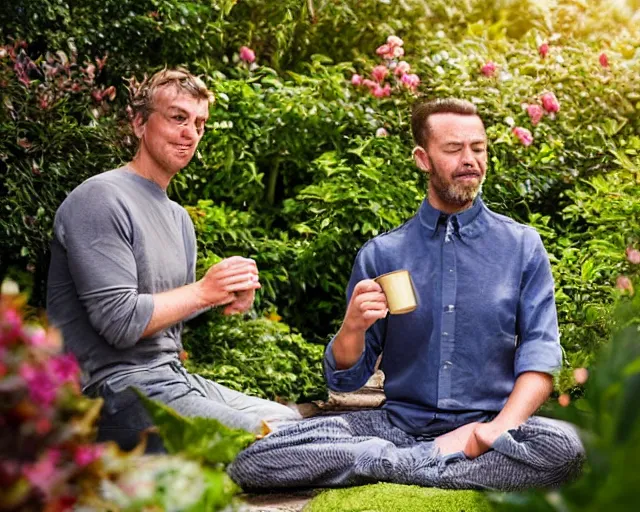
(118, 239)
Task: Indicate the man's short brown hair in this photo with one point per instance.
(422, 110)
(143, 93)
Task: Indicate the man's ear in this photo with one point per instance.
(421, 158)
(138, 125)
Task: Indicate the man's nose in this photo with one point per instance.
(190, 132)
(467, 157)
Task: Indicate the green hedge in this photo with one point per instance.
(290, 170)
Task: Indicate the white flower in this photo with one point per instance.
(509, 121)
(439, 70)
(9, 287)
(559, 59)
(440, 34)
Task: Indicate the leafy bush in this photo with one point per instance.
(260, 357)
(608, 420)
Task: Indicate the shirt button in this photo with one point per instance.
(447, 365)
(450, 307)
(450, 270)
(445, 334)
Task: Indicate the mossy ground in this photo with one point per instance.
(398, 498)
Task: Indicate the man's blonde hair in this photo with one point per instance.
(143, 93)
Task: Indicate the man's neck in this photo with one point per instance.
(147, 168)
(444, 206)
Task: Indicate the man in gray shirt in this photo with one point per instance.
(122, 275)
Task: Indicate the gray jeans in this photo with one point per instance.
(124, 417)
(364, 447)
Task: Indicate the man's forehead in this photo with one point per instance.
(172, 98)
(456, 126)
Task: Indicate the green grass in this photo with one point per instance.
(398, 498)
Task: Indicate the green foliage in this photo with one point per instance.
(203, 439)
(609, 423)
(260, 357)
(290, 171)
(56, 129)
(386, 497)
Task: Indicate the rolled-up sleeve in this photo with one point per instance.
(539, 348)
(354, 378)
(95, 231)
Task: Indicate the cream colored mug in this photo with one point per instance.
(398, 288)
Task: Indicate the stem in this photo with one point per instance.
(271, 184)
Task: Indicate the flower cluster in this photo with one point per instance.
(43, 451)
(390, 69)
(623, 283)
(50, 80)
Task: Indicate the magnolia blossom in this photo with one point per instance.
(633, 255)
(543, 50)
(523, 135)
(402, 68)
(385, 49)
(369, 83)
(624, 284)
(604, 60)
(410, 80)
(535, 113)
(381, 92)
(356, 80)
(550, 102)
(379, 73)
(489, 68)
(381, 132)
(394, 41)
(247, 54)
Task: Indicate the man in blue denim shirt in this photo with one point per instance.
(466, 370)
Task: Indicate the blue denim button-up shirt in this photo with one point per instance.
(486, 313)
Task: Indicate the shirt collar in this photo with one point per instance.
(430, 217)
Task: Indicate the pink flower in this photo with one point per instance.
(402, 68)
(42, 388)
(369, 83)
(247, 54)
(64, 368)
(523, 135)
(580, 375)
(397, 52)
(410, 80)
(42, 473)
(633, 255)
(394, 41)
(379, 73)
(604, 60)
(356, 80)
(543, 50)
(535, 113)
(624, 284)
(381, 92)
(381, 132)
(489, 68)
(385, 49)
(550, 102)
(86, 454)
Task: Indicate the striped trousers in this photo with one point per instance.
(364, 447)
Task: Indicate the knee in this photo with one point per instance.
(565, 452)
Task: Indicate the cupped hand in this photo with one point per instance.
(225, 280)
(367, 305)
